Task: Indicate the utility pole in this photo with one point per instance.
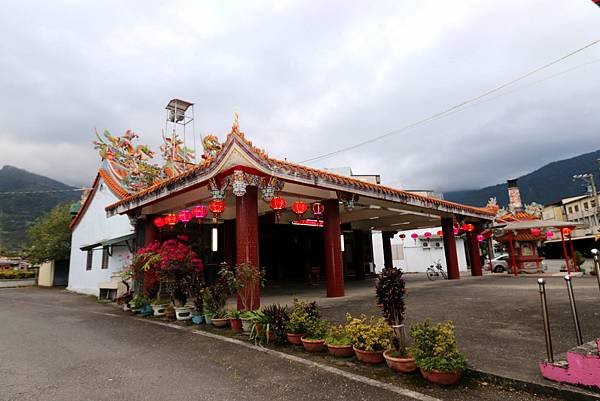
(589, 179)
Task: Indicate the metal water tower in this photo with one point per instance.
(179, 115)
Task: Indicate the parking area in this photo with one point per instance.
(497, 317)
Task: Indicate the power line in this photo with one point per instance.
(43, 192)
(454, 108)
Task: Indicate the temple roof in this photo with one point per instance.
(220, 161)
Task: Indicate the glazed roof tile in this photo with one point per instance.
(292, 170)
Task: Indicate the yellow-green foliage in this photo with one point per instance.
(369, 334)
(435, 347)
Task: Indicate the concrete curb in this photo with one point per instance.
(570, 394)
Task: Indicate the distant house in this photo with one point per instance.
(13, 264)
(100, 246)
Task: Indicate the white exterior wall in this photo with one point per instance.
(413, 257)
(94, 227)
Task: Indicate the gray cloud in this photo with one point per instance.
(306, 78)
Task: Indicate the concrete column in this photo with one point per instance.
(386, 239)
(474, 255)
(246, 233)
(450, 248)
(333, 250)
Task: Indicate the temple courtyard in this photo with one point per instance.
(70, 345)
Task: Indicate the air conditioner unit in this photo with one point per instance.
(425, 244)
(438, 245)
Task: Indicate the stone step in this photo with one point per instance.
(580, 365)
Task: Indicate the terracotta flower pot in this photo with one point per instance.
(313, 345)
(271, 337)
(403, 365)
(443, 378)
(340, 351)
(370, 357)
(236, 325)
(220, 322)
(294, 338)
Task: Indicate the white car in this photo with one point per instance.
(501, 263)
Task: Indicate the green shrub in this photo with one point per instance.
(337, 335)
(316, 329)
(16, 274)
(301, 316)
(369, 334)
(435, 347)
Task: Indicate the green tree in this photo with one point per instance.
(50, 236)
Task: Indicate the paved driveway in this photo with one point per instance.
(59, 346)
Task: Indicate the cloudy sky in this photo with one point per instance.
(307, 78)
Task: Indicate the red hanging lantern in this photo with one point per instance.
(216, 206)
(159, 222)
(456, 230)
(470, 227)
(318, 209)
(184, 216)
(199, 212)
(277, 204)
(549, 234)
(536, 232)
(566, 231)
(440, 233)
(402, 236)
(480, 237)
(427, 235)
(171, 219)
(414, 236)
(299, 208)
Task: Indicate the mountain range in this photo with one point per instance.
(24, 197)
(548, 184)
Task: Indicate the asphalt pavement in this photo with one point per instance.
(60, 346)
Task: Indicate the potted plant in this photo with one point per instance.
(370, 337)
(246, 279)
(260, 330)
(159, 306)
(278, 316)
(220, 319)
(137, 303)
(234, 320)
(391, 291)
(338, 342)
(435, 352)
(316, 331)
(300, 316)
(246, 318)
(170, 312)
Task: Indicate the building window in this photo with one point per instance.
(576, 208)
(90, 259)
(586, 206)
(570, 209)
(105, 257)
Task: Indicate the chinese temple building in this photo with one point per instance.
(240, 205)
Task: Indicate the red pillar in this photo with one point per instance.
(386, 239)
(573, 258)
(333, 250)
(150, 231)
(474, 254)
(246, 234)
(565, 254)
(450, 248)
